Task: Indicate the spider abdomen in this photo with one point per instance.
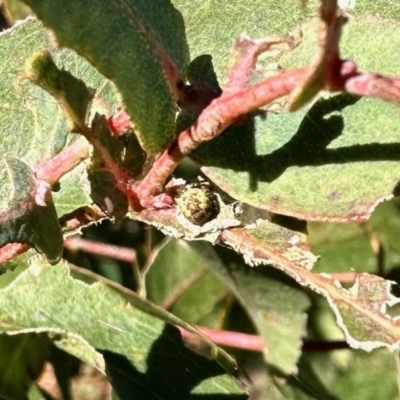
(198, 204)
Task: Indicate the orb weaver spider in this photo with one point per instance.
(197, 202)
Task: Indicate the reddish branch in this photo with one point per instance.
(11, 250)
(328, 72)
(235, 101)
(248, 342)
(374, 85)
(236, 340)
(100, 249)
(53, 169)
(225, 110)
(221, 113)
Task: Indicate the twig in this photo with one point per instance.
(221, 113)
(249, 342)
(344, 277)
(11, 250)
(53, 169)
(236, 340)
(100, 249)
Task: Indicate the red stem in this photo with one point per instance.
(11, 250)
(248, 342)
(374, 85)
(53, 169)
(236, 340)
(220, 114)
(100, 249)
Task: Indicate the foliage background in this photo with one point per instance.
(211, 286)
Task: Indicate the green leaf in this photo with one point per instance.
(16, 10)
(27, 211)
(179, 281)
(213, 27)
(367, 40)
(362, 314)
(71, 93)
(42, 131)
(33, 128)
(22, 361)
(375, 375)
(385, 225)
(387, 10)
(143, 51)
(330, 161)
(342, 248)
(35, 393)
(361, 311)
(12, 268)
(274, 304)
(275, 307)
(112, 329)
(166, 377)
(349, 375)
(354, 247)
(72, 192)
(308, 384)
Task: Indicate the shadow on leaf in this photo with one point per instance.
(236, 148)
(173, 371)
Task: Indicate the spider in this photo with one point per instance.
(198, 203)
